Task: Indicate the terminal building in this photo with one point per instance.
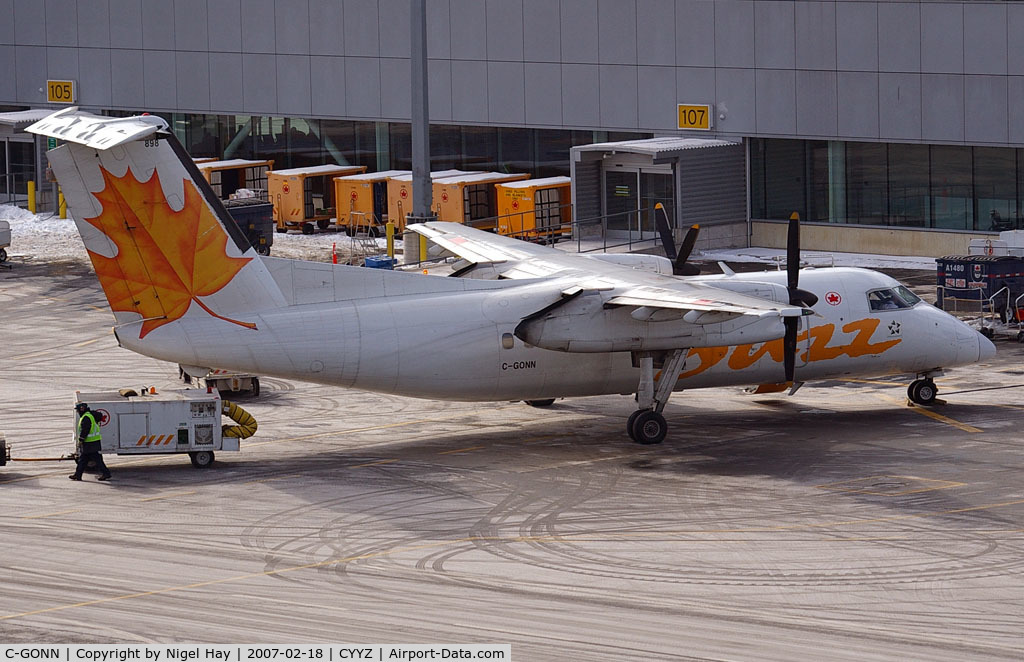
(888, 126)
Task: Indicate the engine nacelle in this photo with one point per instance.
(586, 325)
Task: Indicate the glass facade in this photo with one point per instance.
(294, 143)
(948, 187)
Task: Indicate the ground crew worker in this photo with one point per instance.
(89, 436)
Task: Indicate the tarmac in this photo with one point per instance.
(836, 524)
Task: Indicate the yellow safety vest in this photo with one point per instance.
(94, 428)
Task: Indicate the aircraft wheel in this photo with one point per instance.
(649, 427)
(922, 391)
(629, 423)
(255, 386)
(201, 459)
(540, 403)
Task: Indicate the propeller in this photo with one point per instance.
(680, 266)
(797, 297)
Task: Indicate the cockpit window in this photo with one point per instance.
(895, 298)
(908, 297)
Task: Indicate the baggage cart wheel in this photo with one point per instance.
(323, 223)
(282, 229)
(263, 249)
(3, 254)
(255, 386)
(307, 228)
(201, 459)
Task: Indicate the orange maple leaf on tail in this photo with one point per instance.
(165, 259)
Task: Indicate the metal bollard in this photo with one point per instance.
(389, 230)
(31, 196)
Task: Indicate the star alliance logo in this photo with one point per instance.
(894, 328)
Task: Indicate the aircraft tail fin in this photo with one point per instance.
(162, 243)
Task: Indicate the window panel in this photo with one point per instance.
(908, 185)
(995, 188)
(867, 183)
(951, 190)
(785, 177)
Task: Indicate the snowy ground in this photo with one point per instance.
(45, 237)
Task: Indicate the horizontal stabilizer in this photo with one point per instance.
(94, 131)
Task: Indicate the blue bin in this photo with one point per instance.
(379, 262)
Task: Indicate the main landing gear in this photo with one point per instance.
(646, 425)
(922, 391)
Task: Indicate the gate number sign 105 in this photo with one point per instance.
(60, 91)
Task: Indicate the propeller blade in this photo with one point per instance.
(665, 230)
(789, 346)
(793, 253)
(680, 267)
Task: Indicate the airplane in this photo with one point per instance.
(517, 321)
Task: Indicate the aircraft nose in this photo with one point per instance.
(986, 348)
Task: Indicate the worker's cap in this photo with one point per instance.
(81, 406)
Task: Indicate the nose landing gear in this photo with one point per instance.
(646, 425)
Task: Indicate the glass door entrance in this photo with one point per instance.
(629, 199)
(621, 201)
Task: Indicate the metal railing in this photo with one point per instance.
(582, 231)
(953, 301)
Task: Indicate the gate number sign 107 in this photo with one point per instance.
(695, 116)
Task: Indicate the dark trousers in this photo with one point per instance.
(91, 453)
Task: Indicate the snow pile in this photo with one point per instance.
(42, 237)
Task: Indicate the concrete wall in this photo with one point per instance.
(724, 235)
(902, 71)
(857, 239)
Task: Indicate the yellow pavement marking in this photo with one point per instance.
(271, 479)
(87, 342)
(59, 512)
(370, 464)
(930, 414)
(870, 381)
(540, 438)
(30, 356)
(168, 496)
(582, 537)
(461, 450)
(849, 486)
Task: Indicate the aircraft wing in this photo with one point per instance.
(701, 297)
(482, 247)
(629, 287)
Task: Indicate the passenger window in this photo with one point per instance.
(891, 299)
